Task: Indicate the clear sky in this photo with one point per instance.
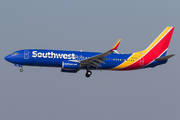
(94, 25)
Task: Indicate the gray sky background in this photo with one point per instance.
(95, 25)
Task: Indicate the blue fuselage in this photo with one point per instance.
(54, 58)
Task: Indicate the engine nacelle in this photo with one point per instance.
(70, 65)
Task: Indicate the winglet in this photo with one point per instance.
(116, 46)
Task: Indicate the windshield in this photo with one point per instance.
(15, 53)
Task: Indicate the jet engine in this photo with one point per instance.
(70, 66)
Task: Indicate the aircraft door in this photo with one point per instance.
(142, 61)
(26, 54)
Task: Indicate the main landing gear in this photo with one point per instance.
(88, 73)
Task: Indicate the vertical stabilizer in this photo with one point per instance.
(157, 49)
(160, 45)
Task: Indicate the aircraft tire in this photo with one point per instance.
(21, 70)
(88, 73)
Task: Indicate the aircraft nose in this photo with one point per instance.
(7, 58)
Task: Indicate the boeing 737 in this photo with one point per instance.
(73, 61)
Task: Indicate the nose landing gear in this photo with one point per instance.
(21, 70)
(18, 65)
(88, 73)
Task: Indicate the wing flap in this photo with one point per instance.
(95, 63)
(99, 61)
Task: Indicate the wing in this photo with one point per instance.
(95, 61)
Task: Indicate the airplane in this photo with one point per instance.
(73, 61)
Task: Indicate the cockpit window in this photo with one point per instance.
(15, 53)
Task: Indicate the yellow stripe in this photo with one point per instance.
(137, 55)
(133, 58)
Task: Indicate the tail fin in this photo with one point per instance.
(160, 45)
(155, 52)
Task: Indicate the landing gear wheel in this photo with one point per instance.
(21, 70)
(88, 73)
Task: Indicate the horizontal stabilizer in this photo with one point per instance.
(164, 58)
